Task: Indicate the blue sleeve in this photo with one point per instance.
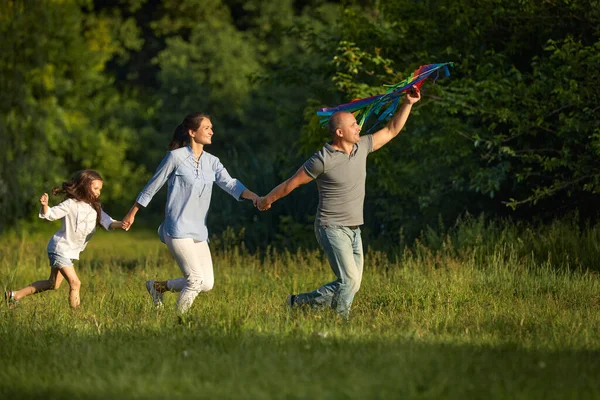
(164, 170)
(231, 185)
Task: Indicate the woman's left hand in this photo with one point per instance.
(128, 221)
(247, 194)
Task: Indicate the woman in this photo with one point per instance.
(190, 173)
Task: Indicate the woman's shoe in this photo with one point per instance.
(9, 298)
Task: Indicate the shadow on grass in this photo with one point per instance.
(218, 361)
(128, 264)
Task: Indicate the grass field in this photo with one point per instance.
(447, 324)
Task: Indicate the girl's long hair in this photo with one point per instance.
(80, 188)
(180, 136)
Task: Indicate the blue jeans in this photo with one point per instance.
(58, 261)
(343, 247)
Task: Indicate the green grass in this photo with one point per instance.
(468, 319)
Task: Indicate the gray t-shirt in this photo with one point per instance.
(341, 183)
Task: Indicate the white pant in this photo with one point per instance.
(195, 262)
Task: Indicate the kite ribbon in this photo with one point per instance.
(385, 104)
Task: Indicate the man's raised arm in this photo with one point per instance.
(395, 125)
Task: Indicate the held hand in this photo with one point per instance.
(250, 195)
(262, 204)
(413, 95)
(44, 199)
(127, 221)
(254, 198)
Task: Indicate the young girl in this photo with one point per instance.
(80, 213)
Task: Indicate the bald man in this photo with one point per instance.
(340, 169)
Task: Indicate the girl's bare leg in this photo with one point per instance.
(73, 280)
(52, 283)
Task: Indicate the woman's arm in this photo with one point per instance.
(164, 170)
(250, 195)
(231, 185)
(130, 217)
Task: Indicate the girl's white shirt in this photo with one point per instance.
(78, 226)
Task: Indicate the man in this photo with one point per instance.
(340, 170)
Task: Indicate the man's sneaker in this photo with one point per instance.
(157, 297)
(291, 300)
(9, 298)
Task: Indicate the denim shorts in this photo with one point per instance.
(58, 261)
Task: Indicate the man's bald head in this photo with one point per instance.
(336, 121)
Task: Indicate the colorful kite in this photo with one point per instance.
(388, 102)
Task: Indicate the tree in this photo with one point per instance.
(63, 113)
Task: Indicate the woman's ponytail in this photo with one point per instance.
(180, 138)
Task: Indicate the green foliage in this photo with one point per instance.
(515, 123)
(103, 84)
(222, 65)
(62, 114)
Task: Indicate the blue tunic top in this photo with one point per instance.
(189, 192)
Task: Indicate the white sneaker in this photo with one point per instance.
(157, 297)
(9, 298)
(290, 301)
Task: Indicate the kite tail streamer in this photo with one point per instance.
(363, 109)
